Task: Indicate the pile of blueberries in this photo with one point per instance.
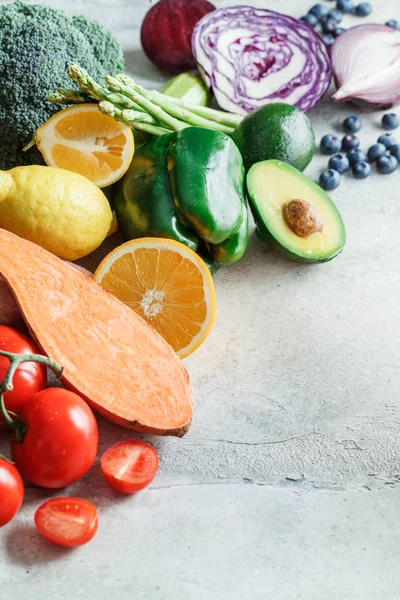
(386, 152)
(330, 20)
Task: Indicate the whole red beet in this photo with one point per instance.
(166, 33)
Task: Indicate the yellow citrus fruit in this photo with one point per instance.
(167, 284)
(61, 211)
(83, 140)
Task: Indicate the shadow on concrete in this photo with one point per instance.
(25, 546)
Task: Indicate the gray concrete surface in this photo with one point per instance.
(287, 485)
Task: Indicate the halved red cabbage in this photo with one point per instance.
(251, 56)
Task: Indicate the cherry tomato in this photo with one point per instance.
(61, 440)
(67, 522)
(29, 378)
(129, 466)
(11, 491)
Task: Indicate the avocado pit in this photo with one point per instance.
(302, 218)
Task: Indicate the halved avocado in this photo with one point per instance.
(294, 213)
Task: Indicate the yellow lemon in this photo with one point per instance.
(59, 210)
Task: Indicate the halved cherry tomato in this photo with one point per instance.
(129, 466)
(29, 378)
(60, 443)
(11, 491)
(67, 522)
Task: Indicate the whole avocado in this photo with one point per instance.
(37, 44)
(276, 131)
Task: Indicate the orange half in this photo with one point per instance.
(167, 284)
(84, 140)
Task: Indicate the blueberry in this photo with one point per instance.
(363, 10)
(395, 151)
(329, 26)
(390, 121)
(387, 164)
(352, 124)
(350, 142)
(329, 180)
(346, 6)
(392, 23)
(335, 14)
(319, 10)
(361, 169)
(330, 144)
(376, 151)
(339, 163)
(339, 31)
(329, 40)
(387, 139)
(310, 19)
(356, 156)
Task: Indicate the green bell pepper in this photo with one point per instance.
(187, 186)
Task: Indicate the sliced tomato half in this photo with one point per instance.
(67, 522)
(129, 466)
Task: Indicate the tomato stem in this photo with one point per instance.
(7, 386)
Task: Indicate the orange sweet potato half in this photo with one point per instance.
(111, 356)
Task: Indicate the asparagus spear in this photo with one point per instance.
(132, 118)
(89, 86)
(218, 116)
(157, 112)
(131, 89)
(66, 96)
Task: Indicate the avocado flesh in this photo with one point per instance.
(271, 185)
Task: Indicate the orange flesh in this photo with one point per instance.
(84, 127)
(110, 355)
(183, 306)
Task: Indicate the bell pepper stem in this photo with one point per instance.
(7, 384)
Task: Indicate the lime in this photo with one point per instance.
(188, 87)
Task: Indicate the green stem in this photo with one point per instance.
(131, 118)
(7, 384)
(9, 420)
(29, 144)
(155, 111)
(177, 111)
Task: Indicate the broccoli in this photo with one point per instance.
(37, 44)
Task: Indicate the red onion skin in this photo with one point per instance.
(361, 102)
(166, 33)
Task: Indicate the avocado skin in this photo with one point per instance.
(267, 237)
(276, 131)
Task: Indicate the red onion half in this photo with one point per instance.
(366, 65)
(251, 56)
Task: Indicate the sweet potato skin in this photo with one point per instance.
(112, 358)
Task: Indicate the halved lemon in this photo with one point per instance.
(83, 140)
(167, 284)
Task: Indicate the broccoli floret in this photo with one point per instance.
(37, 44)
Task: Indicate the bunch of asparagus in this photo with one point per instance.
(148, 111)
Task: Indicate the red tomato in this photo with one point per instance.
(60, 444)
(29, 378)
(129, 466)
(11, 491)
(67, 522)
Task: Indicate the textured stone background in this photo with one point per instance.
(287, 484)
